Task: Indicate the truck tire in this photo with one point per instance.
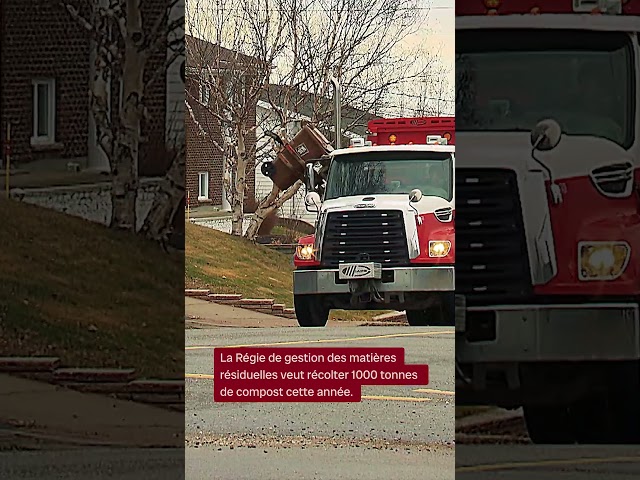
(549, 424)
(417, 318)
(437, 316)
(310, 311)
(610, 417)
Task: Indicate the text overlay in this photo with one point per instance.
(257, 374)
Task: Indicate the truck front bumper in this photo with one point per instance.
(401, 279)
(548, 333)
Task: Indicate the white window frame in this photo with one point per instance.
(203, 195)
(50, 83)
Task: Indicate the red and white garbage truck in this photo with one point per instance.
(384, 235)
(548, 227)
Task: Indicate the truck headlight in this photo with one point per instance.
(439, 248)
(602, 260)
(305, 252)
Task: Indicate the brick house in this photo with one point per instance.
(45, 67)
(204, 163)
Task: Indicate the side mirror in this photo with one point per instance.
(546, 135)
(415, 195)
(310, 180)
(312, 202)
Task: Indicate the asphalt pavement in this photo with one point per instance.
(535, 462)
(93, 464)
(395, 432)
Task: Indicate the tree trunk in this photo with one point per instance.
(158, 224)
(124, 164)
(237, 203)
(124, 192)
(268, 206)
(265, 207)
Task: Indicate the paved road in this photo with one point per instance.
(532, 462)
(93, 464)
(395, 432)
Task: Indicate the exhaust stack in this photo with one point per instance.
(337, 99)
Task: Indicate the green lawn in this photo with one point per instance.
(92, 296)
(227, 264)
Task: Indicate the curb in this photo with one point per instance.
(117, 383)
(262, 305)
(391, 317)
(268, 305)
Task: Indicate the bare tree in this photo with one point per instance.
(359, 45)
(232, 48)
(127, 35)
(297, 45)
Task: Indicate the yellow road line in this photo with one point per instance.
(208, 376)
(394, 399)
(198, 375)
(547, 463)
(364, 397)
(434, 391)
(332, 340)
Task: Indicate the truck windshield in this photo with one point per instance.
(375, 173)
(508, 80)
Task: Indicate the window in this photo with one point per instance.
(203, 186)
(395, 173)
(44, 111)
(509, 80)
(204, 93)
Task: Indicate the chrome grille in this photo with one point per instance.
(491, 252)
(367, 235)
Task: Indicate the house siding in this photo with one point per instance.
(40, 40)
(202, 154)
(175, 88)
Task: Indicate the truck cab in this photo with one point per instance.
(384, 236)
(549, 229)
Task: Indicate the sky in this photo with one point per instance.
(440, 29)
(438, 34)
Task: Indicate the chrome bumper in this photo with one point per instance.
(529, 333)
(406, 279)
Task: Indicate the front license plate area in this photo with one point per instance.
(360, 271)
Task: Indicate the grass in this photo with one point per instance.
(227, 264)
(92, 296)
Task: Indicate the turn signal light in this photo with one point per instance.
(393, 138)
(602, 260)
(439, 248)
(305, 252)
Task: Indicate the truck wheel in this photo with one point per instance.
(310, 311)
(549, 424)
(589, 420)
(417, 318)
(437, 316)
(608, 418)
